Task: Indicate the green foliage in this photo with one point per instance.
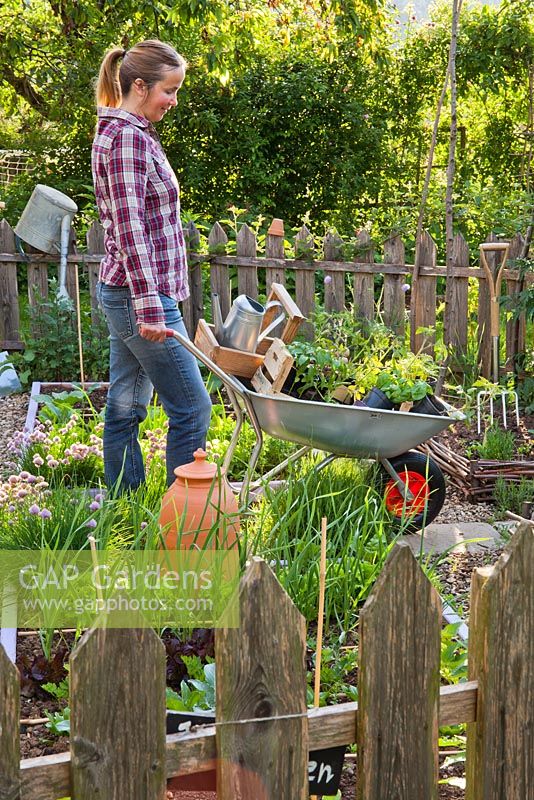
(510, 496)
(405, 378)
(59, 722)
(453, 655)
(359, 537)
(317, 368)
(58, 690)
(51, 342)
(498, 444)
(197, 693)
(337, 662)
(273, 452)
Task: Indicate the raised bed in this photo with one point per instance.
(476, 478)
(47, 387)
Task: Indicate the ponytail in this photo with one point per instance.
(108, 88)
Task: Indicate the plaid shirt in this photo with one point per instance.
(138, 199)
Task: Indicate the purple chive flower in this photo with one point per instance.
(405, 287)
(94, 506)
(143, 525)
(328, 279)
(91, 523)
(34, 509)
(45, 513)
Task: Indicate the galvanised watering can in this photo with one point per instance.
(241, 329)
(45, 224)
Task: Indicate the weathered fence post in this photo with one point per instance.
(455, 332)
(9, 296)
(364, 282)
(117, 702)
(193, 306)
(70, 278)
(219, 275)
(95, 246)
(247, 277)
(261, 676)
(9, 728)
(398, 685)
(500, 745)
(515, 335)
(424, 314)
(334, 287)
(274, 248)
(305, 280)
(394, 303)
(274, 273)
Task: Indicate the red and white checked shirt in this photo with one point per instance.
(138, 200)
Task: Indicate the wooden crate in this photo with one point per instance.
(234, 362)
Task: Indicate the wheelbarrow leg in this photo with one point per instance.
(394, 475)
(237, 430)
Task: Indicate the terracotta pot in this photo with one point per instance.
(199, 499)
(277, 228)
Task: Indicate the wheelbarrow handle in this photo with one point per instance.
(229, 380)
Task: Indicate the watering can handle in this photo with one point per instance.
(275, 322)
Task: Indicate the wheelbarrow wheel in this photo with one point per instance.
(425, 481)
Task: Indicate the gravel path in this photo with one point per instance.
(13, 410)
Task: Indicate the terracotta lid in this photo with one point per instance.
(199, 469)
(277, 228)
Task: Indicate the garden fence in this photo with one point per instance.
(259, 745)
(242, 272)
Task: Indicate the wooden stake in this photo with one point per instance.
(322, 582)
(79, 322)
(92, 542)
(319, 647)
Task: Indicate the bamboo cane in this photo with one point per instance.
(92, 542)
(79, 322)
(320, 615)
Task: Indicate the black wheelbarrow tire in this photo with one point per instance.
(425, 480)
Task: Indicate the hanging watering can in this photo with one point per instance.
(45, 224)
(241, 329)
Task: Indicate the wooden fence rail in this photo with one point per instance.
(259, 745)
(317, 279)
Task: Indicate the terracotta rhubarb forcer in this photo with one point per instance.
(199, 499)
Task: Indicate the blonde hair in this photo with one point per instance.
(146, 60)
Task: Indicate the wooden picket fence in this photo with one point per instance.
(305, 264)
(259, 745)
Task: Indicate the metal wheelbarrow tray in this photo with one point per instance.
(351, 431)
(412, 483)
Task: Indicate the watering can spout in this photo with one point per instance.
(217, 316)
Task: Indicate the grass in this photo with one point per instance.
(284, 528)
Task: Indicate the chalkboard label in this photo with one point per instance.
(324, 766)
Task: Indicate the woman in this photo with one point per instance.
(144, 271)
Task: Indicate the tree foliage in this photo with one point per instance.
(307, 109)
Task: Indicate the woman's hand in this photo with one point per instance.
(154, 333)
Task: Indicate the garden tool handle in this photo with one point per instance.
(494, 281)
(229, 380)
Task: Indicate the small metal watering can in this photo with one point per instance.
(241, 329)
(45, 224)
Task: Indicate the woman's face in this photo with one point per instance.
(162, 96)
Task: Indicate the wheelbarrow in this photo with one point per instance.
(412, 483)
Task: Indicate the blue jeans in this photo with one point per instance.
(136, 367)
